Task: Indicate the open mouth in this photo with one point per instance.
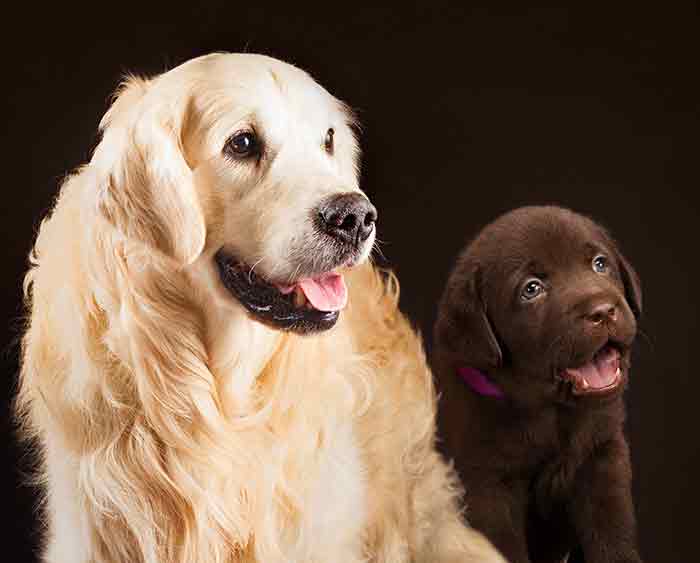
(307, 305)
(601, 375)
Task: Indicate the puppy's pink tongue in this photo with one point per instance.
(326, 292)
(601, 372)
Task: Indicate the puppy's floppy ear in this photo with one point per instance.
(147, 188)
(463, 327)
(633, 286)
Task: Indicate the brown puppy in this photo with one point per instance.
(532, 354)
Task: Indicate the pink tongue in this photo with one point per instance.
(326, 293)
(600, 372)
(595, 377)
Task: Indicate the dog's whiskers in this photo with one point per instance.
(293, 276)
(250, 272)
(376, 247)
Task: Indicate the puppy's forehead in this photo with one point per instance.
(539, 237)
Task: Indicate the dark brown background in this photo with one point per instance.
(466, 113)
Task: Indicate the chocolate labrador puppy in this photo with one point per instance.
(532, 355)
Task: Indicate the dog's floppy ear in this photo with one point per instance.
(147, 189)
(633, 287)
(463, 327)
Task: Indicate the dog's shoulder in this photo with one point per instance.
(403, 402)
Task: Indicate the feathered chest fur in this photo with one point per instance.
(303, 474)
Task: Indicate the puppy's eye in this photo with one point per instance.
(600, 264)
(532, 288)
(242, 144)
(328, 142)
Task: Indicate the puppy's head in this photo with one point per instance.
(544, 302)
(242, 171)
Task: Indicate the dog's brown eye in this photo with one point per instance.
(532, 288)
(242, 144)
(328, 142)
(600, 264)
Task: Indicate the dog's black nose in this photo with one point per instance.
(349, 217)
(602, 312)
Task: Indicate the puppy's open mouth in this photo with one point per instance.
(307, 305)
(601, 375)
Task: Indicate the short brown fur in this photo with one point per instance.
(545, 470)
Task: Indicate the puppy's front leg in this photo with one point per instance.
(499, 512)
(601, 506)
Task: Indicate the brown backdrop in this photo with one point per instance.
(466, 113)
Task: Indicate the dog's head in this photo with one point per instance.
(544, 302)
(243, 170)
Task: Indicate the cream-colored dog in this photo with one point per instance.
(212, 370)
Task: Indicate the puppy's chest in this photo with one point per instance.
(553, 482)
(572, 443)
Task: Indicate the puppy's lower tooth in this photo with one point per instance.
(584, 383)
(617, 373)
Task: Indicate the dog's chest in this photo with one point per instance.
(333, 515)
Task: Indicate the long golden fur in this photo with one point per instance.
(171, 426)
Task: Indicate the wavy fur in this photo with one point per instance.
(173, 428)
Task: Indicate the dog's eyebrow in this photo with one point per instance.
(268, 154)
(351, 118)
(276, 80)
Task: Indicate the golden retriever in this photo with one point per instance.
(212, 370)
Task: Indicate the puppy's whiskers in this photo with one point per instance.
(553, 343)
(567, 354)
(647, 339)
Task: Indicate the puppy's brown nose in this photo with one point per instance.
(602, 312)
(348, 217)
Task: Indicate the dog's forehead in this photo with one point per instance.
(272, 90)
(225, 93)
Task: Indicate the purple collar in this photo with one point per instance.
(480, 383)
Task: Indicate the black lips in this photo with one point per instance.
(268, 304)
